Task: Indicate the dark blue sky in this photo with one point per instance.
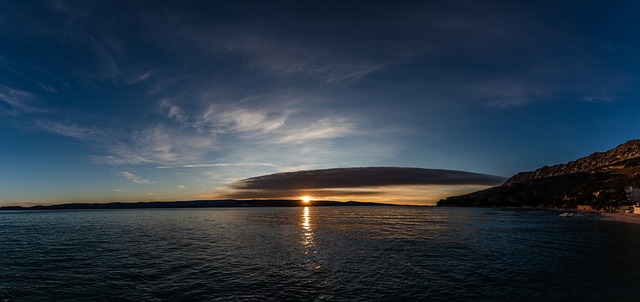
(159, 100)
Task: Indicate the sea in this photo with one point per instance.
(311, 253)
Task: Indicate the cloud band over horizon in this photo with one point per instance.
(364, 183)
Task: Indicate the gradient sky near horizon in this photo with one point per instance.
(175, 100)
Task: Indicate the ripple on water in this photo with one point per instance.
(355, 254)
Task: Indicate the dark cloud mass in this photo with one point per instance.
(364, 177)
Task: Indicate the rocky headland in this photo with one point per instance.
(598, 180)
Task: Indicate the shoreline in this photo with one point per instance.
(621, 217)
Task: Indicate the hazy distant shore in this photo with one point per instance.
(230, 203)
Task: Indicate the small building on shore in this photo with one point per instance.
(633, 194)
(584, 207)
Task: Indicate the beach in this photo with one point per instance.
(622, 217)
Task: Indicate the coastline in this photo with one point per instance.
(621, 217)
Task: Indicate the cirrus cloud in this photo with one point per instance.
(135, 178)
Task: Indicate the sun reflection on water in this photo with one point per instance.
(306, 228)
(307, 238)
(305, 224)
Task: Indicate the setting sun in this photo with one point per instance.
(305, 199)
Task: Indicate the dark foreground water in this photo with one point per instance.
(337, 253)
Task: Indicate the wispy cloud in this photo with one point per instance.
(511, 92)
(225, 118)
(168, 145)
(198, 133)
(250, 120)
(194, 126)
(270, 121)
(211, 115)
(217, 165)
(120, 153)
(17, 101)
(326, 128)
(141, 78)
(599, 99)
(70, 130)
(283, 57)
(174, 111)
(157, 144)
(135, 178)
(267, 52)
(520, 90)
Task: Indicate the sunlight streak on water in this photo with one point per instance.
(307, 240)
(305, 216)
(307, 233)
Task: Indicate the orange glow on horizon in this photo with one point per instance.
(426, 195)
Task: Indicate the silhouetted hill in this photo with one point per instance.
(191, 204)
(598, 180)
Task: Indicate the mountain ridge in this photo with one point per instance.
(590, 163)
(598, 179)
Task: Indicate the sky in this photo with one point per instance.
(177, 100)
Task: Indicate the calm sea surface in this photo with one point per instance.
(315, 253)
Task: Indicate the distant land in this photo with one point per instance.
(598, 180)
(228, 203)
